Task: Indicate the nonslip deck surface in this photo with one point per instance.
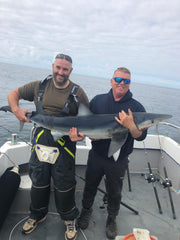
(141, 199)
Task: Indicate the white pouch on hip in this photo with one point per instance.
(47, 154)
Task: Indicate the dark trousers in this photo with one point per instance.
(114, 172)
(63, 175)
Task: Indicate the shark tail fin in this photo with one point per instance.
(6, 108)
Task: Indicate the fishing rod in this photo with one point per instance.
(167, 184)
(151, 178)
(128, 175)
(105, 196)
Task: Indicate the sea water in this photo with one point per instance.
(155, 99)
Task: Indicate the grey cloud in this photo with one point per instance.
(142, 35)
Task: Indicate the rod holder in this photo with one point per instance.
(14, 139)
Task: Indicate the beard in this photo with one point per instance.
(61, 82)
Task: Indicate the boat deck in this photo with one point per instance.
(141, 198)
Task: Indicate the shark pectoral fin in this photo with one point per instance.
(116, 155)
(117, 142)
(21, 125)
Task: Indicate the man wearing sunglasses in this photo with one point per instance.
(117, 100)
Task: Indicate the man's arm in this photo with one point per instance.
(13, 100)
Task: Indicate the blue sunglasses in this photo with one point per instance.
(119, 80)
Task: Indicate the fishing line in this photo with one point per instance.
(161, 151)
(83, 234)
(17, 135)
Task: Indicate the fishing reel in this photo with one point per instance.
(166, 183)
(150, 177)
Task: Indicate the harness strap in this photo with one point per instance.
(42, 87)
(36, 140)
(74, 91)
(60, 141)
(72, 98)
(41, 90)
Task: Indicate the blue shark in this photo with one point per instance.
(94, 126)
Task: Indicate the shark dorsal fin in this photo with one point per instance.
(83, 110)
(39, 108)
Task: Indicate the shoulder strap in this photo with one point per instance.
(74, 91)
(72, 98)
(42, 87)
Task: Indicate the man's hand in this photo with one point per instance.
(13, 100)
(21, 114)
(127, 121)
(75, 136)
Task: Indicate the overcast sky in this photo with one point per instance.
(100, 35)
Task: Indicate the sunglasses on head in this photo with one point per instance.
(63, 56)
(119, 80)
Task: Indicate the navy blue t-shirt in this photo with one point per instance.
(105, 104)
